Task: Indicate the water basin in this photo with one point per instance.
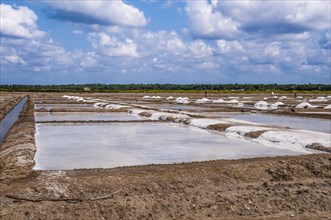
(85, 116)
(112, 145)
(321, 125)
(51, 106)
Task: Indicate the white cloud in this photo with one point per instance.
(19, 22)
(90, 60)
(14, 59)
(237, 19)
(111, 46)
(200, 49)
(207, 22)
(224, 46)
(99, 12)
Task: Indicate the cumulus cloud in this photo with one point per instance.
(111, 46)
(19, 22)
(14, 59)
(236, 19)
(208, 23)
(98, 12)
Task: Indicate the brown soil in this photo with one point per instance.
(294, 187)
(8, 103)
(219, 127)
(255, 134)
(317, 146)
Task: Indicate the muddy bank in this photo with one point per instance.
(18, 148)
(8, 102)
(282, 187)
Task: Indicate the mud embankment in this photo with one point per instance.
(8, 104)
(18, 148)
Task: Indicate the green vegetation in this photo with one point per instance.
(167, 87)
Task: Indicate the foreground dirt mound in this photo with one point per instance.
(283, 187)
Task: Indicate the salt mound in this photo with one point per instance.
(170, 97)
(233, 101)
(299, 97)
(328, 97)
(328, 106)
(203, 100)
(276, 104)
(261, 105)
(303, 105)
(218, 101)
(283, 97)
(318, 99)
(146, 97)
(182, 100)
(265, 98)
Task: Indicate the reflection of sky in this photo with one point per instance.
(8, 121)
(85, 116)
(321, 125)
(112, 145)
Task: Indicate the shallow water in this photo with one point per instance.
(321, 125)
(51, 106)
(113, 145)
(85, 116)
(8, 121)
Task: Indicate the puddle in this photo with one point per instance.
(311, 124)
(51, 106)
(113, 145)
(8, 121)
(85, 116)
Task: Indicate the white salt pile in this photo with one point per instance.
(261, 105)
(318, 99)
(182, 100)
(276, 104)
(304, 105)
(203, 100)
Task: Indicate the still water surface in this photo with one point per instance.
(113, 145)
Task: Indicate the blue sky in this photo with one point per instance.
(218, 41)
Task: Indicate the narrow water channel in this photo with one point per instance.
(7, 122)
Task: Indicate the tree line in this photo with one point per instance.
(164, 87)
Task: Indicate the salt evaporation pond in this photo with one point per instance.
(122, 144)
(321, 125)
(51, 106)
(85, 116)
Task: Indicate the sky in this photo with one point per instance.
(148, 41)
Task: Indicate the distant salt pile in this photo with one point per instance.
(203, 100)
(232, 101)
(318, 99)
(299, 97)
(283, 97)
(328, 107)
(170, 98)
(233, 97)
(276, 104)
(77, 98)
(182, 100)
(328, 97)
(146, 97)
(265, 98)
(218, 101)
(304, 105)
(151, 97)
(261, 105)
